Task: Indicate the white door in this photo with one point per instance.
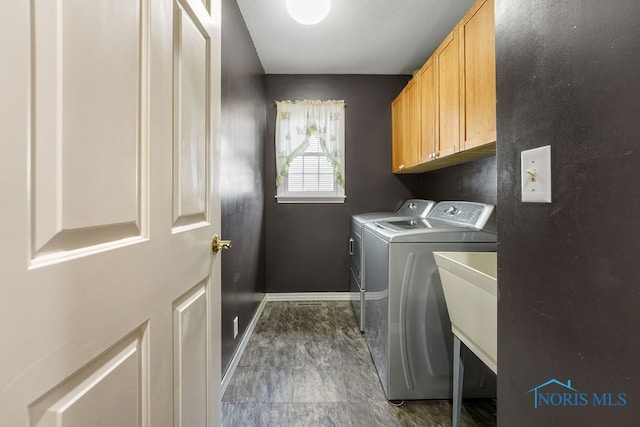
(109, 293)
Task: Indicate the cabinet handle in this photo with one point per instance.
(401, 167)
(350, 246)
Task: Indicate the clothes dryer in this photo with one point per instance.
(412, 208)
(408, 330)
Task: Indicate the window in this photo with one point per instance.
(311, 171)
(310, 152)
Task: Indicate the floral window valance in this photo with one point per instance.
(298, 123)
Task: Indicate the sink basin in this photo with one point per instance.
(470, 290)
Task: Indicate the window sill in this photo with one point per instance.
(310, 199)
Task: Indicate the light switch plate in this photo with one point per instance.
(536, 175)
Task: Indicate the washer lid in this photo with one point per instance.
(374, 216)
(409, 209)
(398, 225)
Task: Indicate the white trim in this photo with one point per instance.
(298, 296)
(310, 199)
(309, 296)
(240, 350)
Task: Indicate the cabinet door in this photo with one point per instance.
(405, 121)
(477, 39)
(428, 111)
(397, 107)
(448, 72)
(411, 136)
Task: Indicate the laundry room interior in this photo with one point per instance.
(567, 294)
(391, 213)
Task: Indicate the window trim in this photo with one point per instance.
(315, 127)
(335, 196)
(307, 198)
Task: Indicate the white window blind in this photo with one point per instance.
(311, 171)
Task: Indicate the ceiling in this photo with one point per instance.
(357, 37)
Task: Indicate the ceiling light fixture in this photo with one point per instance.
(308, 12)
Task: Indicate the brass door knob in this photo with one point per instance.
(217, 244)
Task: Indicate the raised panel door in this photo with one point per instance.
(110, 307)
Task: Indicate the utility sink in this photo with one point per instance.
(470, 290)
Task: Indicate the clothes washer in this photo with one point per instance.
(412, 208)
(407, 329)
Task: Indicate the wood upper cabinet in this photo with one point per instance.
(448, 65)
(428, 84)
(478, 94)
(405, 114)
(447, 114)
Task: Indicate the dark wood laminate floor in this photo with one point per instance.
(307, 364)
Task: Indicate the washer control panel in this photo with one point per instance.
(466, 214)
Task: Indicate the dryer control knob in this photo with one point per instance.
(452, 210)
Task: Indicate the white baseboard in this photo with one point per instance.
(298, 296)
(309, 296)
(240, 350)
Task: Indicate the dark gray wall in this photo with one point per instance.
(242, 175)
(474, 181)
(568, 75)
(306, 244)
